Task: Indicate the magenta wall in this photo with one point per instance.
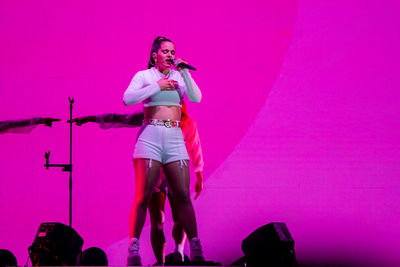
(299, 121)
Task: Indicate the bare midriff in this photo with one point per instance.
(163, 113)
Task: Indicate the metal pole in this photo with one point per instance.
(65, 167)
(71, 100)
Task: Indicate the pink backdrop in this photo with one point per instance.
(299, 121)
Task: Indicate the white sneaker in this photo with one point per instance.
(133, 254)
(196, 253)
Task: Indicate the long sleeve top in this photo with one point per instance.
(113, 120)
(18, 126)
(144, 88)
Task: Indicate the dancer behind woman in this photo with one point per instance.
(157, 203)
(160, 143)
(112, 120)
(24, 126)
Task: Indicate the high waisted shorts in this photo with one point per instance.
(160, 143)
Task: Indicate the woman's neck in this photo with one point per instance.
(163, 71)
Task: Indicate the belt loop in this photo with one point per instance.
(182, 163)
(149, 163)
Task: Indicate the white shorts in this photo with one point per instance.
(160, 143)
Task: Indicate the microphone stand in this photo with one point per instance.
(66, 167)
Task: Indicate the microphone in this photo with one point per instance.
(182, 65)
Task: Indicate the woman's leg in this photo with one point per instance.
(178, 177)
(157, 219)
(146, 175)
(178, 233)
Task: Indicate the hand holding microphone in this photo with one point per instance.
(181, 64)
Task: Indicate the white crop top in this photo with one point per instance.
(144, 87)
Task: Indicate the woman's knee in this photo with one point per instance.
(142, 199)
(182, 197)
